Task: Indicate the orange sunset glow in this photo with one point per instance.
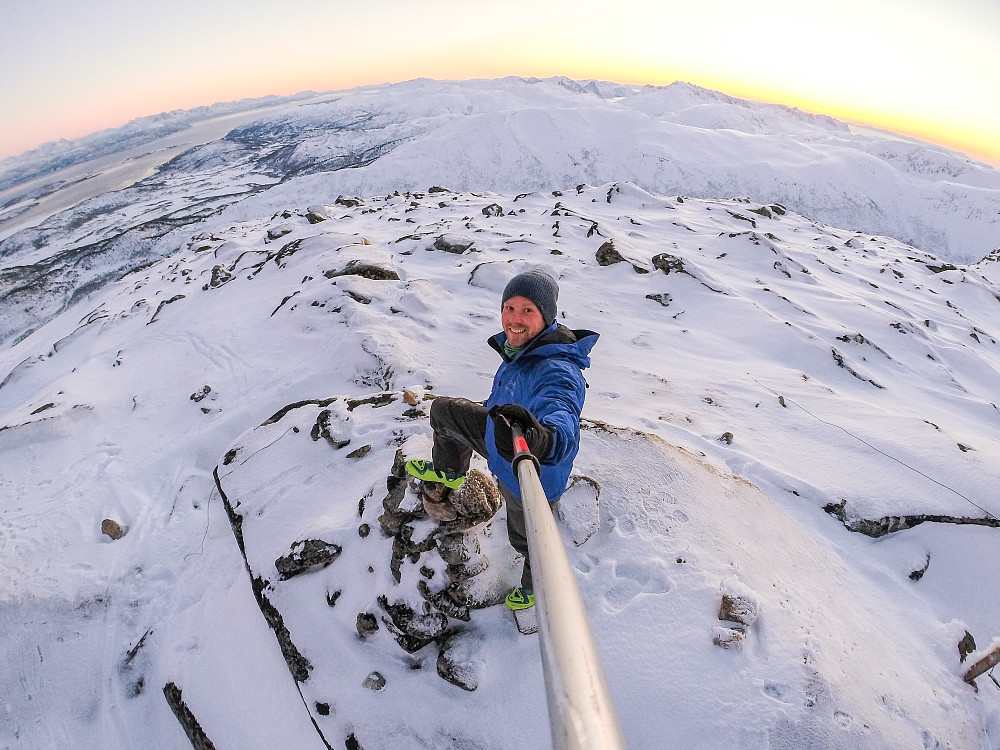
(919, 69)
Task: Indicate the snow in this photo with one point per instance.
(846, 367)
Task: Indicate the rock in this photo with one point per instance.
(450, 243)
(607, 255)
(728, 638)
(668, 263)
(360, 452)
(200, 395)
(475, 565)
(412, 631)
(220, 275)
(330, 427)
(443, 602)
(374, 681)
(279, 231)
(916, 575)
(373, 270)
(494, 209)
(457, 548)
(727, 438)
(196, 735)
(348, 201)
(398, 470)
(478, 499)
(458, 661)
(740, 603)
(401, 505)
(487, 588)
(113, 529)
(579, 508)
(367, 624)
(439, 510)
(306, 555)
(966, 646)
(390, 523)
(316, 214)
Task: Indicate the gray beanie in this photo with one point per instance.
(538, 287)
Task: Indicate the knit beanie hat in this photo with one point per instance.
(538, 287)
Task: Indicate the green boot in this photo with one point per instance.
(520, 598)
(425, 472)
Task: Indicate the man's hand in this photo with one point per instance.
(536, 435)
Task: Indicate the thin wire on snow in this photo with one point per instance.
(879, 450)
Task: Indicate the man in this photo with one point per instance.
(539, 386)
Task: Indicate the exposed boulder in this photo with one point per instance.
(331, 427)
(196, 735)
(879, 527)
(668, 263)
(349, 202)
(607, 255)
(113, 529)
(220, 275)
(458, 660)
(279, 231)
(739, 610)
(453, 243)
(412, 630)
(367, 624)
(740, 604)
(367, 269)
(316, 214)
(306, 555)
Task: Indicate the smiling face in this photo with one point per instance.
(521, 320)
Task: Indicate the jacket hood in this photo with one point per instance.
(556, 340)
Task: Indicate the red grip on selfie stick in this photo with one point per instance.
(521, 451)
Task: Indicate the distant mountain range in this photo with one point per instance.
(504, 135)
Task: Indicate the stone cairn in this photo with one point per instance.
(459, 521)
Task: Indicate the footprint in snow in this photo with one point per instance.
(633, 578)
(778, 692)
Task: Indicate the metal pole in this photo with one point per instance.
(580, 710)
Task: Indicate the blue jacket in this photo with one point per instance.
(547, 379)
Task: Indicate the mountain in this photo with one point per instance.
(507, 135)
(209, 376)
(800, 417)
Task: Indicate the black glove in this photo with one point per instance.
(536, 435)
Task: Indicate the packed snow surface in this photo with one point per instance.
(763, 383)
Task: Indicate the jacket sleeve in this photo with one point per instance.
(557, 403)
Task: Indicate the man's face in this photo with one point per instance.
(521, 320)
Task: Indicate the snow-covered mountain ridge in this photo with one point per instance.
(508, 135)
(757, 371)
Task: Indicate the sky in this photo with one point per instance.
(917, 67)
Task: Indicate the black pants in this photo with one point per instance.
(459, 430)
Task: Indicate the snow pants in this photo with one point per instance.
(459, 430)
